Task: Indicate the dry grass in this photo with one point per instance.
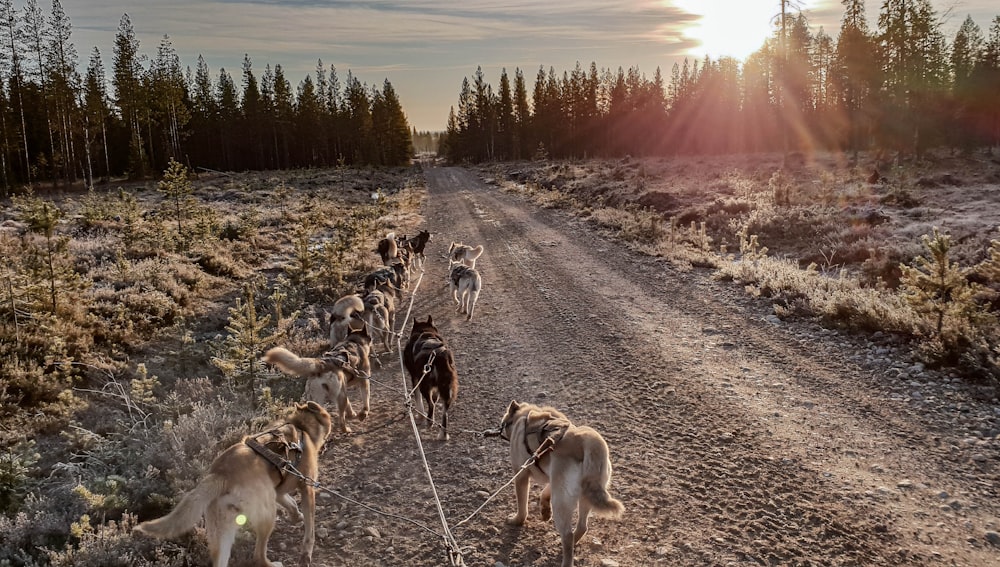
(814, 238)
(130, 286)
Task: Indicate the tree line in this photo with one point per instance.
(899, 87)
(60, 126)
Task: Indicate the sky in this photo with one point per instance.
(426, 47)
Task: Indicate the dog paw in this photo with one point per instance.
(362, 415)
(546, 512)
(515, 520)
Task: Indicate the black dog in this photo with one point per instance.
(416, 244)
(427, 350)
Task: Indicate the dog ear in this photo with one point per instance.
(428, 320)
(513, 407)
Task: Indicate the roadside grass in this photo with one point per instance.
(814, 240)
(132, 321)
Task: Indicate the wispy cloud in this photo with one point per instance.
(424, 47)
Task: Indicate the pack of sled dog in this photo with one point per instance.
(247, 482)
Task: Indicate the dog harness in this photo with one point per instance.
(347, 360)
(280, 441)
(548, 436)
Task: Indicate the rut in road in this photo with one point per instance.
(731, 441)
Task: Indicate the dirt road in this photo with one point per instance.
(736, 439)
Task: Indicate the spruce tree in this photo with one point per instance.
(129, 95)
(937, 287)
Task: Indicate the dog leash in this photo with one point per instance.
(547, 445)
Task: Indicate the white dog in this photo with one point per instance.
(465, 284)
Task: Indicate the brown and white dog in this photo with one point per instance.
(244, 486)
(459, 253)
(346, 315)
(328, 377)
(380, 316)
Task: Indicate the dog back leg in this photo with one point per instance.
(581, 519)
(344, 409)
(471, 304)
(562, 514)
(443, 436)
(220, 530)
(309, 535)
(366, 387)
(262, 529)
(566, 497)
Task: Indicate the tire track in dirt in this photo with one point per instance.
(616, 349)
(732, 441)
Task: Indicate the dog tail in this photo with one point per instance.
(597, 476)
(290, 363)
(188, 511)
(476, 252)
(347, 306)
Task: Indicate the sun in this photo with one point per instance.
(734, 28)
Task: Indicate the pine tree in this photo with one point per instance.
(33, 34)
(14, 59)
(937, 287)
(966, 51)
(855, 71)
(522, 117)
(129, 95)
(238, 357)
(988, 85)
(358, 121)
(308, 123)
(505, 118)
(284, 116)
(204, 116)
(65, 92)
(396, 137)
(227, 103)
(167, 96)
(177, 190)
(97, 111)
(51, 262)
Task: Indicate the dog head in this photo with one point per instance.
(314, 420)
(423, 327)
(508, 419)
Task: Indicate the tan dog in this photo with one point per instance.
(380, 316)
(459, 253)
(346, 316)
(243, 486)
(328, 377)
(575, 472)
